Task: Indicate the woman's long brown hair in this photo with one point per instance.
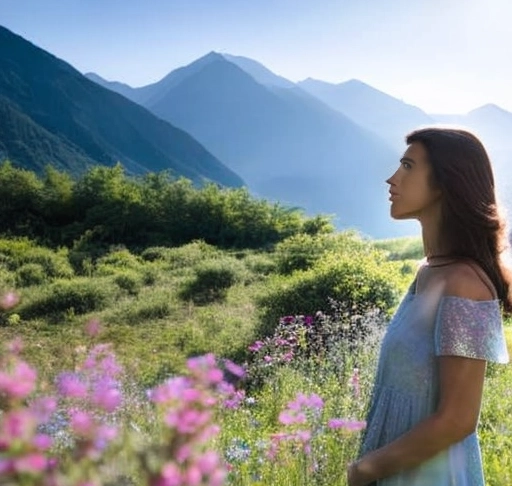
(471, 225)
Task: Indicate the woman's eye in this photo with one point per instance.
(406, 165)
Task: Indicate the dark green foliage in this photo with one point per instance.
(20, 200)
(7, 279)
(154, 253)
(129, 281)
(77, 296)
(30, 274)
(318, 225)
(142, 311)
(105, 207)
(212, 280)
(351, 278)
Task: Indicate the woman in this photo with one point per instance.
(427, 395)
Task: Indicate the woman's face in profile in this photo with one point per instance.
(412, 194)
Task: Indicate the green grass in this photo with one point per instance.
(154, 326)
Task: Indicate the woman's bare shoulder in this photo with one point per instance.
(468, 280)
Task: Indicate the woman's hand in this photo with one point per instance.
(355, 477)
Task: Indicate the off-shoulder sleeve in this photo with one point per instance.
(470, 328)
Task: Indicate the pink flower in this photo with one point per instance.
(169, 476)
(15, 346)
(169, 390)
(354, 383)
(288, 417)
(217, 477)
(183, 453)
(42, 442)
(42, 408)
(17, 424)
(106, 396)
(103, 435)
(234, 369)
(93, 328)
(235, 399)
(208, 462)
(256, 346)
(31, 463)
(81, 422)
(20, 382)
(192, 476)
(350, 425)
(9, 300)
(315, 401)
(70, 385)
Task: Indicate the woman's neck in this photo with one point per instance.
(430, 233)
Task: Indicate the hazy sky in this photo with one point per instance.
(445, 56)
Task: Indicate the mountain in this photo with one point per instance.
(53, 113)
(388, 117)
(121, 88)
(259, 72)
(287, 145)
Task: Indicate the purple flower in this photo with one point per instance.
(234, 369)
(347, 424)
(256, 346)
(70, 385)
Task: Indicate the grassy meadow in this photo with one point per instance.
(162, 305)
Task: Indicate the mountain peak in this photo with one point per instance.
(489, 109)
(258, 71)
(211, 56)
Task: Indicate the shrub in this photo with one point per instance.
(115, 260)
(260, 264)
(302, 251)
(18, 252)
(7, 278)
(30, 274)
(190, 254)
(154, 253)
(212, 279)
(77, 296)
(129, 281)
(140, 311)
(351, 278)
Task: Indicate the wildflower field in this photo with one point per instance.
(199, 366)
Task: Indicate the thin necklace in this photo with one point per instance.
(452, 259)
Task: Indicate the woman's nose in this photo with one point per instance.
(392, 180)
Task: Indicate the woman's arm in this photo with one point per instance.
(461, 386)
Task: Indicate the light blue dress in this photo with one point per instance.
(407, 384)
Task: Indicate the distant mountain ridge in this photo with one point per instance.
(385, 115)
(286, 144)
(323, 147)
(53, 114)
